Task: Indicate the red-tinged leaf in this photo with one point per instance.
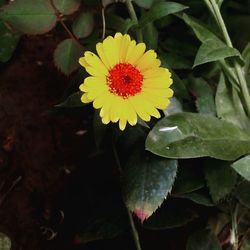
(29, 16)
(147, 181)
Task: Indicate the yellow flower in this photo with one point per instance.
(125, 81)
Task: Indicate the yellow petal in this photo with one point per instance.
(100, 100)
(84, 98)
(147, 61)
(158, 102)
(122, 124)
(101, 54)
(124, 44)
(83, 62)
(165, 92)
(136, 53)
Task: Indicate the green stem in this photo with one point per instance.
(234, 232)
(240, 75)
(131, 220)
(133, 16)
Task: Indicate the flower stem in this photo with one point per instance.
(131, 220)
(133, 16)
(213, 7)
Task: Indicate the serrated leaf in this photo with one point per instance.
(220, 178)
(73, 101)
(242, 193)
(147, 181)
(229, 106)
(198, 197)
(242, 167)
(191, 135)
(83, 25)
(66, 56)
(160, 10)
(8, 42)
(212, 50)
(67, 7)
(29, 16)
(144, 3)
(5, 242)
(203, 240)
(172, 214)
(204, 96)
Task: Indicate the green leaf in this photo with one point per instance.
(188, 180)
(67, 7)
(242, 193)
(147, 181)
(198, 197)
(204, 95)
(29, 16)
(245, 242)
(246, 57)
(242, 167)
(174, 107)
(221, 179)
(144, 3)
(83, 25)
(73, 101)
(150, 34)
(214, 50)
(203, 240)
(8, 42)
(229, 106)
(66, 56)
(5, 243)
(191, 135)
(172, 214)
(160, 10)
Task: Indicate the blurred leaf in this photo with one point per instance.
(242, 193)
(203, 240)
(198, 197)
(160, 10)
(118, 23)
(29, 16)
(67, 7)
(150, 34)
(3, 2)
(188, 180)
(8, 42)
(191, 135)
(66, 56)
(173, 213)
(5, 242)
(214, 50)
(73, 101)
(147, 181)
(217, 222)
(144, 3)
(99, 129)
(83, 25)
(204, 95)
(229, 106)
(245, 243)
(242, 167)
(221, 179)
(174, 107)
(246, 57)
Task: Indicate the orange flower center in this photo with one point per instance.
(124, 80)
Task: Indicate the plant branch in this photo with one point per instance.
(59, 19)
(134, 18)
(131, 220)
(240, 75)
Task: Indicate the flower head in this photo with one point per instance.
(125, 81)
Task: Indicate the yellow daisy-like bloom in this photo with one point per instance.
(125, 81)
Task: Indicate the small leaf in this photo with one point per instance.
(66, 56)
(83, 25)
(73, 101)
(67, 7)
(191, 135)
(5, 243)
(160, 10)
(242, 167)
(203, 240)
(212, 50)
(229, 106)
(29, 16)
(242, 193)
(147, 181)
(198, 197)
(8, 43)
(172, 214)
(144, 3)
(220, 179)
